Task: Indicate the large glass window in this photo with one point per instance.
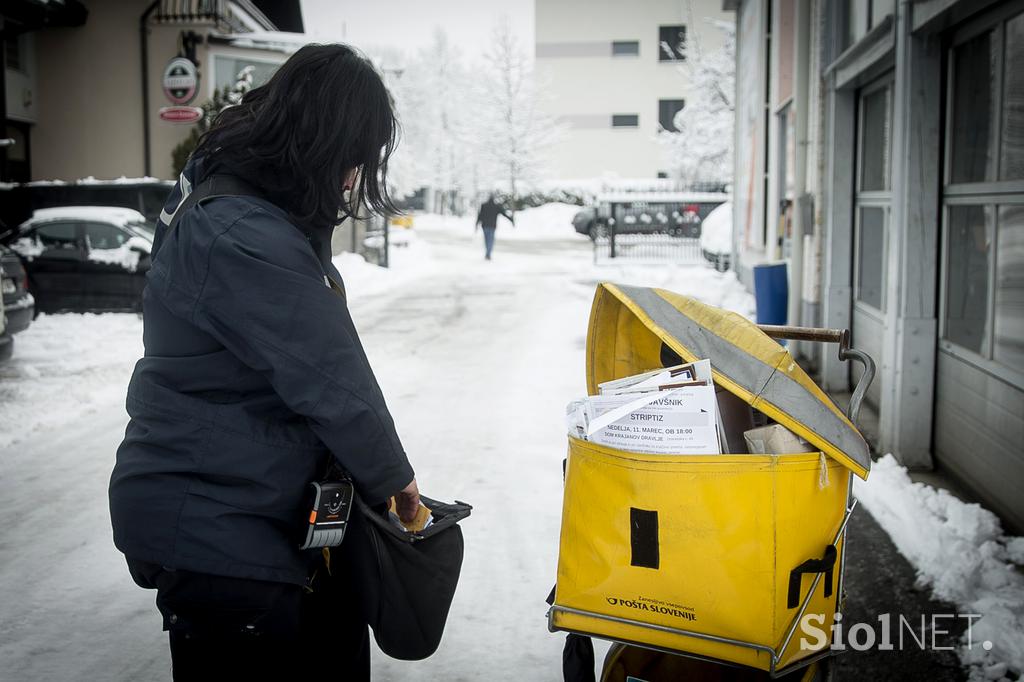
(875, 133)
(983, 257)
(968, 251)
(973, 110)
(1008, 341)
(1011, 145)
(226, 70)
(873, 199)
(871, 256)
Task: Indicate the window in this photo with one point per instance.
(226, 70)
(1008, 328)
(982, 279)
(12, 53)
(874, 166)
(625, 48)
(104, 236)
(625, 120)
(58, 236)
(973, 112)
(969, 240)
(871, 256)
(671, 43)
(146, 230)
(667, 110)
(1011, 143)
(873, 198)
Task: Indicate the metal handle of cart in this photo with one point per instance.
(841, 337)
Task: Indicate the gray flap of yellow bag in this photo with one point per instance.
(628, 326)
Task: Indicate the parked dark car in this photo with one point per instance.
(678, 214)
(584, 221)
(145, 195)
(19, 306)
(85, 258)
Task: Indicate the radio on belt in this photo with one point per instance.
(332, 503)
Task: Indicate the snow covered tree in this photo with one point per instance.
(433, 99)
(513, 131)
(700, 149)
(225, 97)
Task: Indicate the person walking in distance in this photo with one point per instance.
(487, 218)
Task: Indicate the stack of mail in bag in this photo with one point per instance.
(670, 411)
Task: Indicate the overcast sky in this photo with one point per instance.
(409, 24)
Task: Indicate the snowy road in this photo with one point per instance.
(477, 360)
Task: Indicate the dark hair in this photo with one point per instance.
(323, 113)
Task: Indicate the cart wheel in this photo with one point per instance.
(625, 662)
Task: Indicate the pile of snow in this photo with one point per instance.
(90, 180)
(412, 258)
(960, 551)
(117, 215)
(550, 221)
(716, 230)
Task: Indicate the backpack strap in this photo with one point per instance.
(214, 187)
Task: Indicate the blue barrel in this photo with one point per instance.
(771, 293)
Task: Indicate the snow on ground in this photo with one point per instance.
(477, 360)
(960, 552)
(65, 368)
(408, 261)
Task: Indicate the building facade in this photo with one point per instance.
(616, 74)
(84, 91)
(880, 154)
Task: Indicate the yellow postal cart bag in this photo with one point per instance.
(711, 555)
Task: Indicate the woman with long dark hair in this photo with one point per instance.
(254, 381)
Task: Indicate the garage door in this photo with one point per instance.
(979, 392)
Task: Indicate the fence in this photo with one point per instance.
(646, 229)
(376, 239)
(661, 248)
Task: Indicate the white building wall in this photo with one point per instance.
(586, 85)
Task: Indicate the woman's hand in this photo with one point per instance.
(407, 502)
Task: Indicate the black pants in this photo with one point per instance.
(228, 628)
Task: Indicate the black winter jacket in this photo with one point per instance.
(488, 214)
(253, 375)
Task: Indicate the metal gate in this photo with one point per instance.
(661, 248)
(651, 227)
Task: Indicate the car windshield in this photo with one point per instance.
(142, 229)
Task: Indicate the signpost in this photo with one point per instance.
(180, 81)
